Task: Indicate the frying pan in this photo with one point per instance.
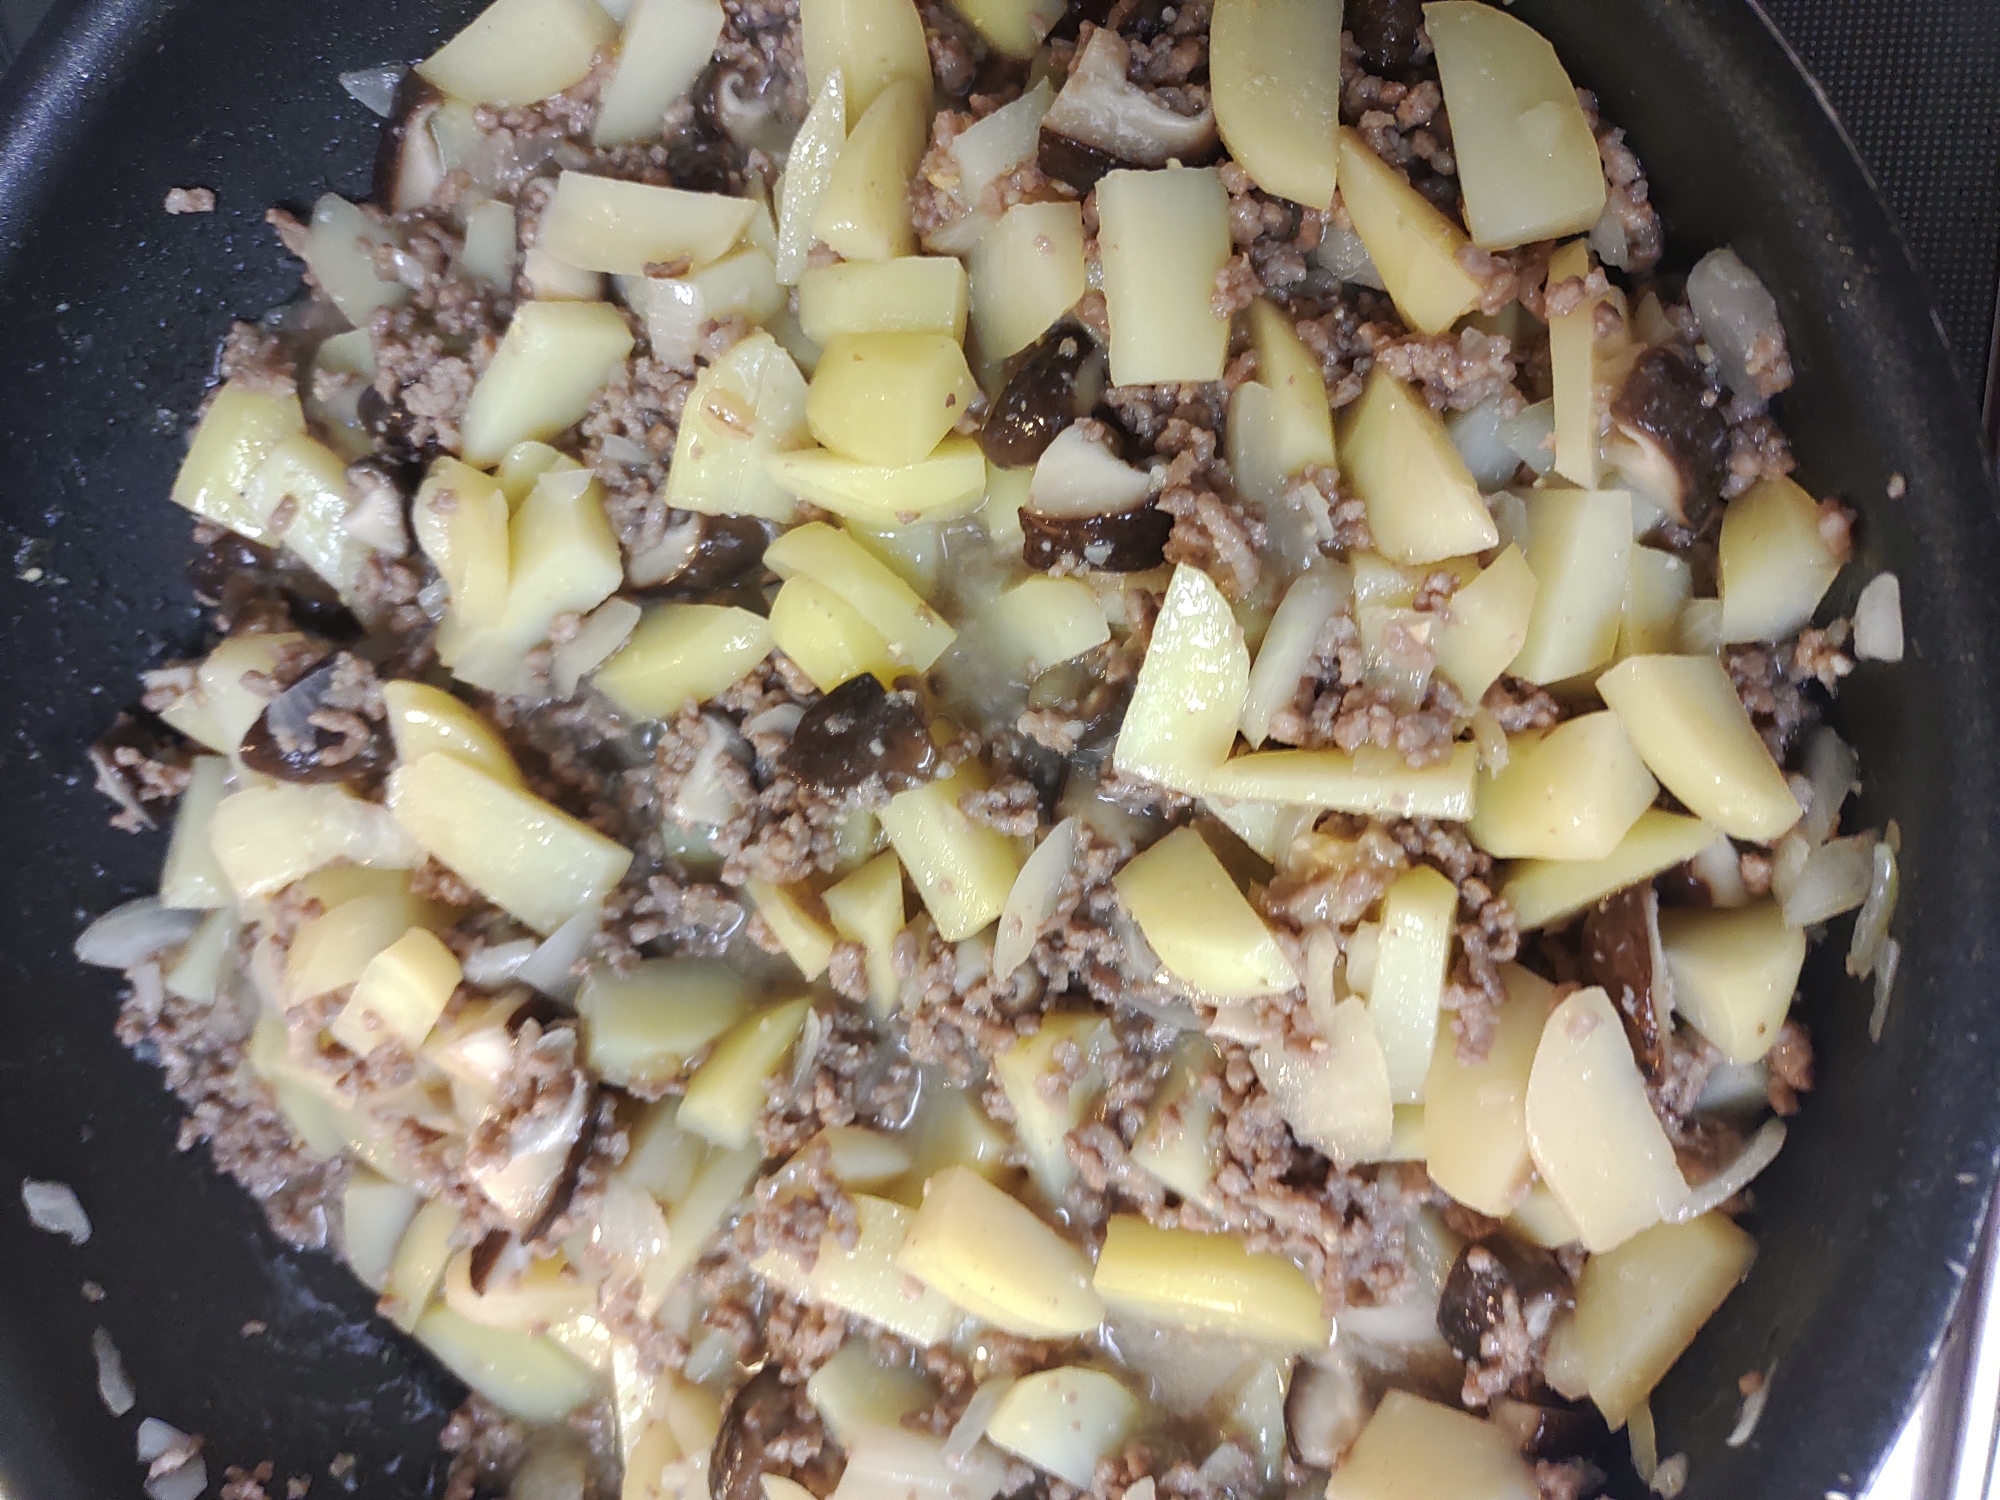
(108, 313)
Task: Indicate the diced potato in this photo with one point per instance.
(399, 996)
(1658, 586)
(1419, 919)
(1640, 1306)
(519, 51)
(1209, 1283)
(744, 283)
(267, 837)
(1775, 564)
(334, 949)
(1486, 624)
(518, 851)
(526, 1375)
(1007, 492)
(1579, 545)
(1593, 1133)
(1475, 1113)
(952, 1131)
(867, 908)
(340, 251)
(1694, 733)
(916, 633)
(555, 357)
(309, 478)
(1174, 1144)
(1051, 1099)
(523, 466)
(1370, 781)
(1413, 1449)
(961, 868)
(862, 1158)
(1026, 272)
(888, 398)
(806, 938)
(536, 1296)
(618, 227)
(1254, 1409)
(460, 518)
(1274, 67)
(863, 1279)
(238, 432)
(1540, 1220)
(1580, 393)
(1334, 1092)
(424, 720)
(418, 1265)
(1065, 1420)
(864, 214)
(718, 1187)
(1571, 792)
(726, 1094)
(855, 1390)
(222, 707)
(872, 43)
(1413, 245)
(374, 1214)
(682, 654)
(1545, 892)
(995, 1259)
(946, 484)
(1041, 621)
(665, 46)
(911, 294)
(1293, 425)
(808, 169)
(641, 1028)
(1014, 28)
(1189, 695)
(1162, 237)
(1734, 973)
(192, 879)
(915, 1466)
(745, 407)
(197, 972)
(828, 641)
(1422, 503)
(1204, 931)
(1527, 160)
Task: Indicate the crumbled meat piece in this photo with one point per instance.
(1791, 1063)
(184, 200)
(796, 1209)
(854, 1074)
(486, 1447)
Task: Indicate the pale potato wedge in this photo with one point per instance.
(946, 483)
(1334, 1090)
(1734, 973)
(1571, 792)
(555, 357)
(962, 869)
(238, 432)
(1486, 624)
(1274, 68)
(424, 720)
(792, 913)
(1475, 1113)
(1579, 545)
(1422, 503)
(619, 228)
(864, 214)
(1066, 1420)
(1370, 781)
(1545, 892)
(1210, 1283)
(1419, 920)
(1774, 562)
(744, 408)
(1201, 927)
(1415, 1448)
(808, 169)
(870, 43)
(827, 640)
(867, 908)
(916, 633)
(643, 1027)
(1192, 683)
(519, 51)
(526, 1375)
(995, 1259)
(192, 878)
(1014, 28)
(863, 1280)
(1050, 1099)
(888, 399)
(1163, 236)
(912, 294)
(664, 47)
(681, 654)
(1026, 272)
(1413, 246)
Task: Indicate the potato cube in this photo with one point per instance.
(947, 483)
(1419, 921)
(1050, 1096)
(682, 654)
(1486, 624)
(424, 720)
(1527, 159)
(864, 213)
(1576, 368)
(665, 46)
(1163, 236)
(618, 227)
(1189, 696)
(962, 869)
(910, 294)
(1042, 621)
(855, 1390)
(1658, 586)
(871, 43)
(192, 879)
(808, 169)
(867, 908)
(916, 633)
(1371, 781)
(1640, 1306)
(1065, 1420)
(418, 1264)
(197, 972)
(1571, 792)
(641, 1028)
(1416, 1448)
(1334, 1092)
(745, 407)
(801, 931)
(222, 707)
(1734, 974)
(374, 1213)
(829, 642)
(519, 51)
(1592, 1131)
(863, 1279)
(726, 1094)
(523, 466)
(995, 1259)
(1198, 923)
(269, 836)
(1299, 430)
(1274, 66)
(310, 479)
(526, 1375)
(1540, 1220)
(678, 309)
(1579, 545)
(1014, 28)
(1422, 503)
(460, 517)
(1545, 892)
(341, 250)
(1208, 1283)
(1175, 1143)
(1476, 1114)
(399, 996)
(888, 398)
(1775, 564)
(238, 432)
(518, 851)
(1694, 733)
(1026, 272)
(718, 1187)
(1286, 651)
(333, 950)
(1413, 245)
(554, 359)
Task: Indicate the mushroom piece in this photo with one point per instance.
(860, 732)
(765, 1410)
(1088, 507)
(314, 732)
(1103, 111)
(409, 168)
(1621, 953)
(1496, 1283)
(239, 578)
(127, 758)
(699, 554)
(1385, 32)
(1326, 1408)
(1669, 440)
(1546, 1432)
(1050, 390)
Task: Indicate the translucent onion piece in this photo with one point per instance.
(971, 1427)
(1753, 1411)
(130, 934)
(1871, 926)
(489, 968)
(114, 1386)
(1341, 254)
(1878, 620)
(1830, 767)
(375, 87)
(551, 968)
(1758, 1153)
(1735, 311)
(1885, 980)
(53, 1208)
(1835, 877)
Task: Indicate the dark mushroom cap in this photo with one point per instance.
(1487, 1276)
(1385, 32)
(303, 737)
(1039, 400)
(1666, 408)
(1548, 1431)
(1131, 541)
(765, 1410)
(861, 733)
(1621, 954)
(1072, 162)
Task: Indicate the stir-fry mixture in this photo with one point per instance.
(971, 749)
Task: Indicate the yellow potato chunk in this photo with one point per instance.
(855, 1390)
(664, 47)
(1274, 68)
(718, 1186)
(399, 996)
(553, 360)
(419, 1262)
(424, 720)
(524, 465)
(197, 973)
(1540, 1220)
(1288, 425)
(1571, 792)
(641, 1028)
(1371, 780)
(526, 1375)
(1734, 974)
(726, 1094)
(1423, 505)
(682, 654)
(1209, 1283)
(1775, 564)
(460, 518)
(1065, 1420)
(995, 1259)
(1413, 245)
(808, 169)
(745, 407)
(1545, 892)
(312, 479)
(863, 1279)
(1694, 733)
(1579, 545)
(1576, 371)
(518, 851)
(867, 908)
(1334, 1090)
(1027, 271)
(240, 429)
(1013, 27)
(1050, 1097)
(805, 937)
(910, 294)
(1163, 236)
(1174, 1144)
(829, 642)
(519, 51)
(1204, 931)
(618, 227)
(1041, 621)
(888, 399)
(192, 879)
(916, 633)
(1192, 683)
(1640, 1306)
(743, 284)
(1419, 919)
(1658, 586)
(870, 43)
(864, 214)
(1593, 1133)
(1413, 1449)
(1476, 1113)
(374, 1213)
(961, 868)
(266, 837)
(1486, 624)
(222, 707)
(1527, 160)
(334, 949)
(947, 483)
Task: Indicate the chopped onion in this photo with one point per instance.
(660, 562)
(1886, 965)
(114, 1386)
(1878, 620)
(1871, 926)
(1835, 877)
(1758, 1153)
(1491, 740)
(1788, 863)
(990, 148)
(1753, 1411)
(607, 629)
(707, 795)
(1735, 311)
(130, 934)
(1645, 1443)
(890, 1461)
(156, 1437)
(1032, 898)
(551, 968)
(1476, 435)
(1735, 1087)
(175, 1469)
(1341, 254)
(1830, 768)
(184, 1482)
(375, 87)
(1530, 432)
(780, 718)
(53, 1208)
(1720, 868)
(1671, 1477)
(489, 968)
(971, 1427)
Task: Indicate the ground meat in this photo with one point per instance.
(183, 200)
(1519, 705)
(1012, 807)
(1791, 1063)
(1336, 705)
(1487, 938)
(1629, 236)
(1757, 449)
(628, 437)
(486, 1447)
(1455, 371)
(796, 1209)
(845, 1071)
(257, 359)
(1769, 681)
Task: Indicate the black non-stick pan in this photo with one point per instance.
(108, 312)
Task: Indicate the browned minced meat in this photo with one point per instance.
(1456, 372)
(1519, 705)
(640, 409)
(1791, 1063)
(1334, 705)
(186, 200)
(795, 1210)
(1012, 806)
(1215, 529)
(486, 1447)
(1571, 1479)
(1771, 682)
(1273, 235)
(257, 359)
(846, 1070)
